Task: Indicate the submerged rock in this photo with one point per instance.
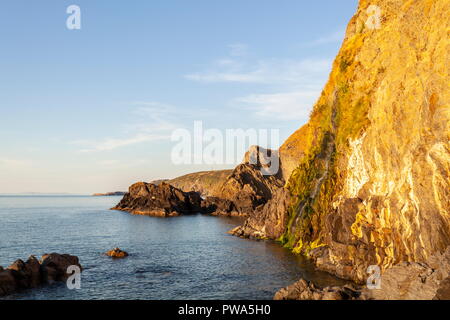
(33, 273)
(117, 253)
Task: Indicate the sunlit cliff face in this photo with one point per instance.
(370, 172)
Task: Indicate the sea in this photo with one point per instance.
(188, 257)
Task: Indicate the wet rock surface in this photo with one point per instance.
(33, 273)
(117, 253)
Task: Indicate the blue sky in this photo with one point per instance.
(92, 110)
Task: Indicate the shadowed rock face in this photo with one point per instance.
(161, 200)
(249, 189)
(33, 273)
(239, 192)
(269, 221)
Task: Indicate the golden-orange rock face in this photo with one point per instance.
(370, 172)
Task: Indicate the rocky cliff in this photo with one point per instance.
(239, 192)
(161, 200)
(368, 177)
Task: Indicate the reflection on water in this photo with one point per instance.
(189, 257)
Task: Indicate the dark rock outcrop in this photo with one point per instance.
(240, 192)
(161, 200)
(220, 207)
(269, 221)
(27, 274)
(249, 189)
(54, 266)
(33, 273)
(8, 283)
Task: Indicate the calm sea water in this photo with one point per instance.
(189, 257)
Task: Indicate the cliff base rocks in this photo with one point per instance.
(305, 290)
(404, 281)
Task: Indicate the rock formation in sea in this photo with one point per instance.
(116, 253)
(368, 177)
(238, 192)
(33, 273)
(161, 200)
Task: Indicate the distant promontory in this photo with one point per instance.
(109, 194)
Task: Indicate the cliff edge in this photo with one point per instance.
(368, 177)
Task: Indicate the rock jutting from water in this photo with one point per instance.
(34, 273)
(117, 253)
(241, 193)
(161, 200)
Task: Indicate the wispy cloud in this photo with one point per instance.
(154, 125)
(294, 105)
(114, 143)
(270, 71)
(301, 82)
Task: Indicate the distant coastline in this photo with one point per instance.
(108, 194)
